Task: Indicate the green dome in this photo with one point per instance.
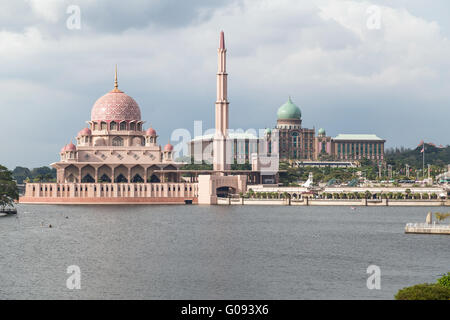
(321, 132)
(268, 131)
(289, 111)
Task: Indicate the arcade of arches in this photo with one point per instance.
(120, 173)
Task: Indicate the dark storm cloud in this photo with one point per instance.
(107, 16)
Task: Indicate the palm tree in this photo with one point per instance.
(441, 216)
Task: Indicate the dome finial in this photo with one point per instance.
(116, 84)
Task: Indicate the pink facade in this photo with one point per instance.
(114, 158)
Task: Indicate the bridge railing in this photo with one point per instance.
(427, 225)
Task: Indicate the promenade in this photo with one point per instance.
(334, 202)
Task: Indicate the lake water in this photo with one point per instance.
(215, 252)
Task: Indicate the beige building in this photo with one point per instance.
(301, 144)
(349, 147)
(295, 142)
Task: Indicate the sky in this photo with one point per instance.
(378, 67)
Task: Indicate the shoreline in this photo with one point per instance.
(336, 203)
(238, 201)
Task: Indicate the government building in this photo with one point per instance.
(298, 144)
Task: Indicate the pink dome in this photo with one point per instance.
(85, 132)
(63, 149)
(70, 147)
(115, 105)
(168, 147)
(150, 132)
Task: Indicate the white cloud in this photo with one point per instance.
(49, 10)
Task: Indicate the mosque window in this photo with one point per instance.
(113, 125)
(95, 125)
(103, 126)
(123, 126)
(132, 126)
(139, 127)
(117, 142)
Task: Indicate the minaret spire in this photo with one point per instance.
(221, 135)
(222, 40)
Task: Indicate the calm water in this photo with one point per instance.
(215, 252)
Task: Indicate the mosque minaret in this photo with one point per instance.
(221, 135)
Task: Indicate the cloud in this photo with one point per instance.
(344, 76)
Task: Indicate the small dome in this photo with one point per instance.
(321, 132)
(63, 149)
(268, 131)
(70, 147)
(85, 132)
(150, 132)
(289, 111)
(168, 147)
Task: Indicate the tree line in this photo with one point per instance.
(41, 174)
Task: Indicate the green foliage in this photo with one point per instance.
(197, 166)
(441, 216)
(241, 166)
(437, 157)
(41, 174)
(8, 188)
(425, 291)
(295, 174)
(20, 174)
(444, 280)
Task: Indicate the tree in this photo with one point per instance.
(425, 291)
(444, 280)
(20, 174)
(8, 188)
(408, 192)
(441, 216)
(44, 174)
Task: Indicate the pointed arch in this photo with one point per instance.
(121, 171)
(113, 125)
(104, 173)
(87, 174)
(117, 141)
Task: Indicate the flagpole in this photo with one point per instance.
(423, 160)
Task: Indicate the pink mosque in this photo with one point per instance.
(116, 161)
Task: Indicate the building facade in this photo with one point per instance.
(301, 144)
(114, 161)
(295, 142)
(114, 148)
(349, 147)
